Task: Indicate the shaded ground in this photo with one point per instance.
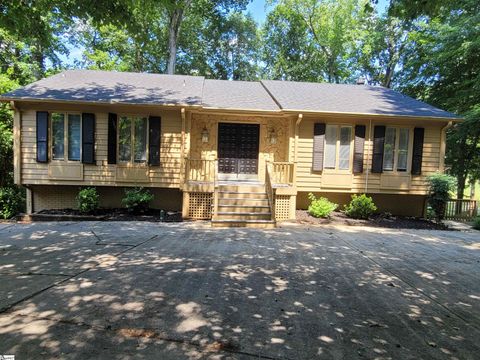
(376, 220)
(187, 291)
(122, 214)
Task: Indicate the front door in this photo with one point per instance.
(238, 151)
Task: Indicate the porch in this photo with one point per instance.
(239, 202)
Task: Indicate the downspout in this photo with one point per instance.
(368, 154)
(182, 148)
(443, 146)
(295, 146)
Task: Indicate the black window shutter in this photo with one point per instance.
(378, 144)
(42, 136)
(154, 134)
(358, 149)
(88, 138)
(418, 137)
(112, 138)
(318, 146)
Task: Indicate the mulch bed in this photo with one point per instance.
(152, 215)
(378, 220)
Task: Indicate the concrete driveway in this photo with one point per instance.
(187, 291)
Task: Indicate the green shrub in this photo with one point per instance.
(440, 186)
(476, 223)
(320, 207)
(11, 202)
(137, 199)
(87, 200)
(360, 207)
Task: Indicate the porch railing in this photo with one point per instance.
(461, 210)
(200, 170)
(270, 189)
(283, 173)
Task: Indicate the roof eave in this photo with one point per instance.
(82, 102)
(443, 118)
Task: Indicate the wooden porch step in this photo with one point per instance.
(237, 215)
(242, 195)
(259, 224)
(240, 188)
(245, 202)
(243, 208)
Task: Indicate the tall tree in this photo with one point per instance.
(444, 69)
(327, 32)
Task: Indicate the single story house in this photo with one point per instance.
(239, 153)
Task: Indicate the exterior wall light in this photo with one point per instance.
(272, 136)
(205, 135)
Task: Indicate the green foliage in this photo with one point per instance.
(87, 200)
(320, 207)
(476, 223)
(137, 199)
(11, 202)
(314, 40)
(360, 207)
(440, 187)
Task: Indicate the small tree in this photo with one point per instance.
(440, 187)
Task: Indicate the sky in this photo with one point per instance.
(258, 11)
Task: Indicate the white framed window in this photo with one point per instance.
(132, 139)
(395, 152)
(338, 147)
(66, 135)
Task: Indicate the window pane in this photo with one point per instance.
(125, 139)
(330, 146)
(389, 149)
(344, 152)
(402, 150)
(140, 140)
(74, 137)
(58, 136)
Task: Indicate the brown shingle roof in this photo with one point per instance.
(268, 95)
(244, 95)
(342, 98)
(111, 86)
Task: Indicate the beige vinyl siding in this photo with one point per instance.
(308, 180)
(165, 175)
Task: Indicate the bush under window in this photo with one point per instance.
(87, 200)
(137, 199)
(360, 207)
(320, 207)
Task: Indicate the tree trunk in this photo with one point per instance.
(176, 17)
(39, 59)
(461, 179)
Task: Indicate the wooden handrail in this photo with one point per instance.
(270, 190)
(461, 209)
(283, 173)
(200, 170)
